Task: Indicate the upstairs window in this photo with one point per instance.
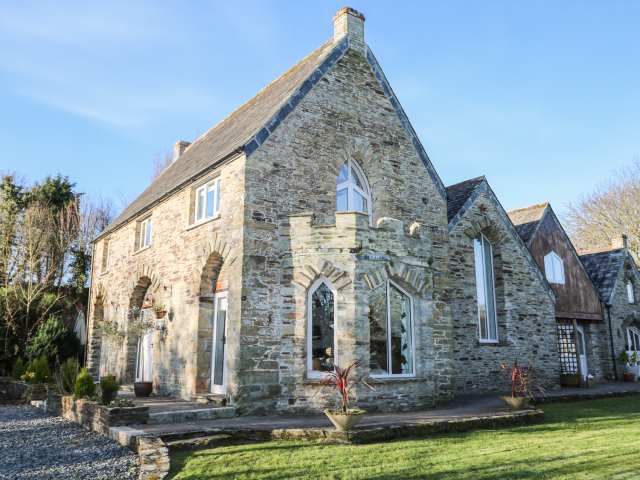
(145, 231)
(207, 201)
(105, 255)
(633, 340)
(321, 335)
(631, 296)
(352, 191)
(554, 268)
(485, 290)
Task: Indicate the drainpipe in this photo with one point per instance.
(613, 353)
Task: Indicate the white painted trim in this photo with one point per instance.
(311, 373)
(351, 186)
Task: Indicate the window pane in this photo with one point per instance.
(341, 200)
(359, 203)
(378, 331)
(210, 200)
(200, 204)
(401, 341)
(343, 174)
(148, 234)
(480, 288)
(489, 283)
(322, 329)
(220, 327)
(356, 178)
(217, 207)
(630, 293)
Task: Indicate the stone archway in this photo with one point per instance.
(136, 300)
(211, 282)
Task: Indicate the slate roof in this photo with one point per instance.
(239, 130)
(526, 219)
(459, 193)
(603, 268)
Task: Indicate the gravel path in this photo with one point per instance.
(34, 445)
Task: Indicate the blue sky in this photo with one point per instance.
(541, 97)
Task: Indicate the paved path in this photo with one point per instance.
(37, 446)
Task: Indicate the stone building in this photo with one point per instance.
(615, 273)
(309, 229)
(582, 331)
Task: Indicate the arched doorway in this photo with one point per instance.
(212, 328)
(139, 350)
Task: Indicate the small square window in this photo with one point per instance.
(207, 201)
(145, 233)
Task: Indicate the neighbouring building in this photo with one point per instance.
(615, 274)
(310, 229)
(581, 329)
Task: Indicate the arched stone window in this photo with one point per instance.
(554, 268)
(485, 290)
(631, 295)
(321, 334)
(352, 190)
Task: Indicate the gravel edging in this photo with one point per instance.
(35, 445)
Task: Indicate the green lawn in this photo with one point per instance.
(597, 439)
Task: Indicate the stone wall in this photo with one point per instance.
(525, 309)
(292, 231)
(12, 391)
(100, 418)
(172, 267)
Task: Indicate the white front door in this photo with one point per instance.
(582, 352)
(144, 370)
(218, 350)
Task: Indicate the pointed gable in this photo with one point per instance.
(604, 269)
(540, 229)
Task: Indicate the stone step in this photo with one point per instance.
(212, 399)
(190, 415)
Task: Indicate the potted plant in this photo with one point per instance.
(523, 386)
(343, 381)
(630, 365)
(160, 311)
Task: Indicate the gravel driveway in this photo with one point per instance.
(34, 445)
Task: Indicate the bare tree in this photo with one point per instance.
(160, 163)
(607, 212)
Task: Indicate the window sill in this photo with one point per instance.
(492, 343)
(142, 249)
(201, 222)
(394, 378)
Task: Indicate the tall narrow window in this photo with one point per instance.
(321, 352)
(554, 268)
(485, 290)
(633, 340)
(145, 232)
(391, 332)
(631, 296)
(207, 201)
(352, 192)
(105, 255)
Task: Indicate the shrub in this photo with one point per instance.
(84, 387)
(67, 374)
(54, 341)
(37, 371)
(108, 389)
(19, 369)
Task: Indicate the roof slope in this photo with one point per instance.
(526, 220)
(603, 268)
(459, 193)
(234, 132)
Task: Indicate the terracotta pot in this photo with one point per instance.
(344, 421)
(142, 389)
(629, 377)
(516, 403)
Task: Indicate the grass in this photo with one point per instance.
(596, 439)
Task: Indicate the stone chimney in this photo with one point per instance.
(620, 241)
(350, 23)
(178, 148)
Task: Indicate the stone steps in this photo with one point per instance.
(190, 415)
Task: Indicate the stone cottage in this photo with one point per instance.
(582, 331)
(615, 274)
(310, 229)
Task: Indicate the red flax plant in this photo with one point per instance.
(523, 381)
(343, 381)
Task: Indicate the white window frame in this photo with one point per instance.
(311, 373)
(482, 240)
(388, 374)
(352, 188)
(145, 225)
(211, 186)
(633, 334)
(631, 294)
(554, 268)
